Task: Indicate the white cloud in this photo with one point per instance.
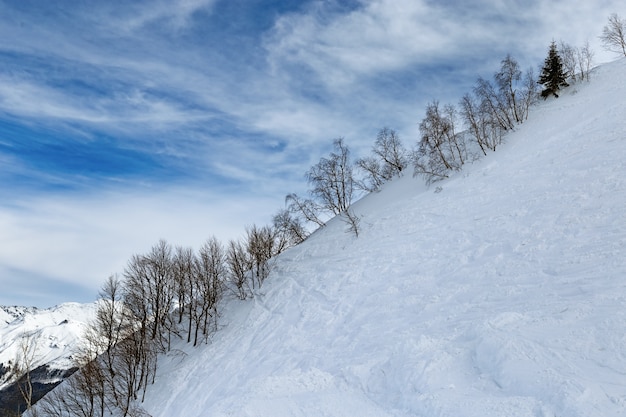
(80, 240)
(175, 13)
(390, 35)
(133, 110)
(382, 36)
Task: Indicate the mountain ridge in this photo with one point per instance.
(54, 331)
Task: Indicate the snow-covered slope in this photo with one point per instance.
(501, 293)
(53, 334)
(498, 292)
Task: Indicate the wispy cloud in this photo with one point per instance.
(79, 240)
(177, 14)
(112, 112)
(179, 112)
(387, 35)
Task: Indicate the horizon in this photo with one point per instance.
(123, 124)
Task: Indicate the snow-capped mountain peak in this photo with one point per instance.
(55, 333)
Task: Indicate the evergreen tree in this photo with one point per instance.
(552, 75)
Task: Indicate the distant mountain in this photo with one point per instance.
(9, 314)
(52, 334)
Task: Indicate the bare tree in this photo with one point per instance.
(151, 290)
(98, 358)
(332, 180)
(110, 326)
(136, 291)
(506, 101)
(456, 141)
(116, 361)
(372, 169)
(508, 79)
(186, 286)
(391, 152)
(79, 396)
(210, 272)
(239, 264)
(440, 149)
(584, 58)
(160, 287)
(569, 58)
(305, 208)
(23, 365)
(147, 289)
(492, 103)
(182, 267)
(353, 221)
(476, 121)
(289, 229)
(332, 187)
(261, 247)
(389, 159)
(529, 92)
(576, 61)
(89, 391)
(614, 35)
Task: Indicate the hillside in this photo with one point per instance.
(500, 291)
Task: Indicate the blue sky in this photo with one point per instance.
(125, 122)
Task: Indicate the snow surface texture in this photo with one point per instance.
(55, 333)
(498, 292)
(503, 293)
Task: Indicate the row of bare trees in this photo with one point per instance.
(448, 136)
(166, 294)
(446, 144)
(334, 181)
(447, 139)
(116, 361)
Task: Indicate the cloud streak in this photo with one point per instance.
(79, 240)
(209, 109)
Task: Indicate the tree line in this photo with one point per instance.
(168, 293)
(450, 136)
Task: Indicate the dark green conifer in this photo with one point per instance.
(552, 75)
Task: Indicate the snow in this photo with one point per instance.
(501, 291)
(498, 292)
(55, 333)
